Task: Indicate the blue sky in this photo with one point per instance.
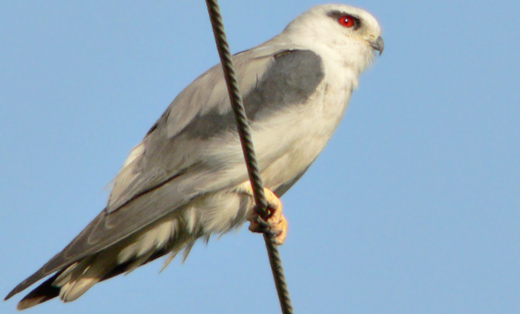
(413, 207)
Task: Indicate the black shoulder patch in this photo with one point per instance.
(290, 80)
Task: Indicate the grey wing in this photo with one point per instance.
(192, 149)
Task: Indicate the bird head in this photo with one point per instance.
(352, 34)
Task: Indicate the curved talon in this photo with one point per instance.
(276, 224)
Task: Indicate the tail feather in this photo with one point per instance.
(44, 292)
(74, 289)
(75, 279)
(170, 235)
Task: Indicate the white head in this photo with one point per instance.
(352, 33)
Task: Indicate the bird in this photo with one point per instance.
(187, 180)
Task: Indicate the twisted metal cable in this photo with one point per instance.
(249, 153)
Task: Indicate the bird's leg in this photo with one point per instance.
(275, 222)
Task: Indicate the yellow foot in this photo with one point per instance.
(275, 223)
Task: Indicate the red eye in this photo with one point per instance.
(347, 21)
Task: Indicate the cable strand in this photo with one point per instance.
(244, 132)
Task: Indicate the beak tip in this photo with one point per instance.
(379, 45)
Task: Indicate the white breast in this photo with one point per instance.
(295, 137)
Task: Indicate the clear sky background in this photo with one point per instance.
(413, 207)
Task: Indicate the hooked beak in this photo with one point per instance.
(378, 45)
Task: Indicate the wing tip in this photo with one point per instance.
(20, 287)
(25, 284)
(9, 295)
